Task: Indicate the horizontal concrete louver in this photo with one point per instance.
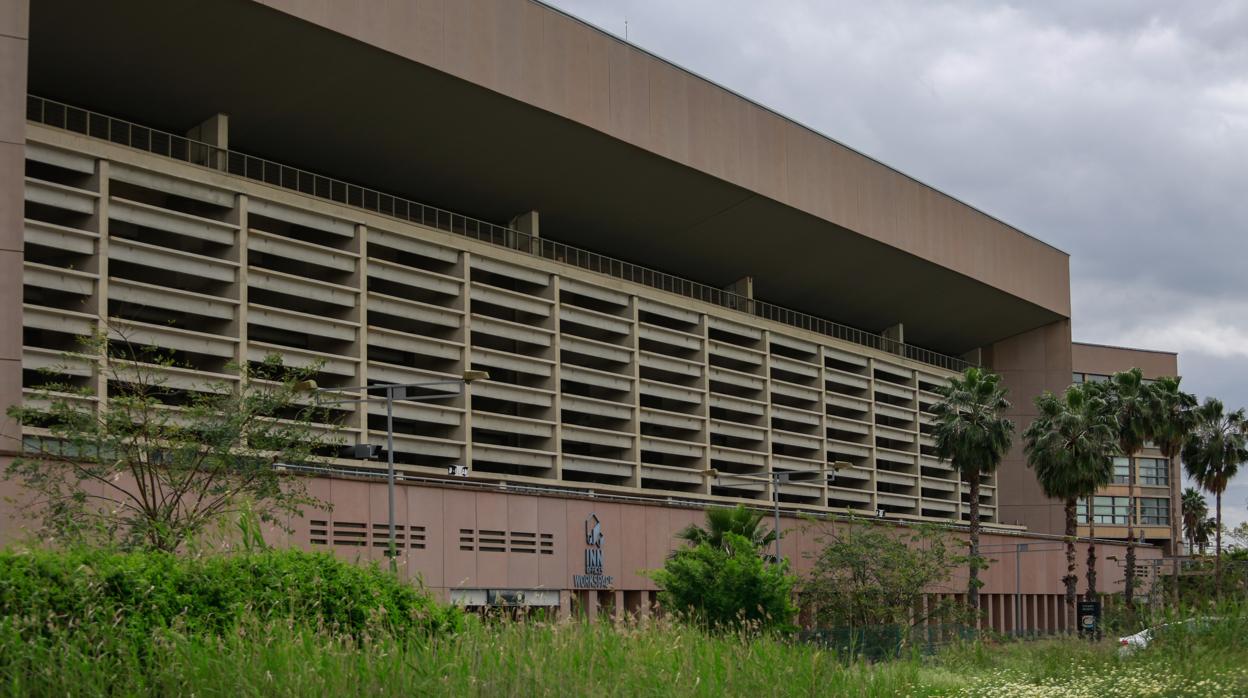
(595, 382)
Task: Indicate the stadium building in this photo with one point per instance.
(683, 299)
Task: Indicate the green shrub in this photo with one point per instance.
(140, 592)
(727, 586)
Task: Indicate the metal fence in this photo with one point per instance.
(63, 116)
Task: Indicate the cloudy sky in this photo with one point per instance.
(1116, 130)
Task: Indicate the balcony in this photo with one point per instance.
(57, 115)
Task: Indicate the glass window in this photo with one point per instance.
(1110, 510)
(1122, 471)
(1155, 511)
(1095, 378)
(1077, 378)
(1153, 471)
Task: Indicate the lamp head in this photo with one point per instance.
(308, 386)
(470, 376)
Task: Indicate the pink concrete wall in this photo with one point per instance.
(638, 537)
(1107, 360)
(458, 523)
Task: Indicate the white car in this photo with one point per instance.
(1133, 643)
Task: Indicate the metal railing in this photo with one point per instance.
(83, 121)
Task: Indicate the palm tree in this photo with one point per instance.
(1132, 403)
(1205, 530)
(1213, 456)
(971, 431)
(739, 520)
(1195, 511)
(1174, 419)
(1069, 446)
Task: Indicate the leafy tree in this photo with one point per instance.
(1195, 512)
(746, 523)
(1174, 418)
(872, 575)
(155, 464)
(1069, 446)
(971, 431)
(726, 586)
(1132, 403)
(1213, 456)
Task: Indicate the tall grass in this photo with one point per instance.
(486, 659)
(592, 659)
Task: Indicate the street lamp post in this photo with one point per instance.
(777, 477)
(394, 391)
(1020, 549)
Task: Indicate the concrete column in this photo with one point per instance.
(743, 287)
(361, 339)
(239, 216)
(465, 268)
(591, 605)
(1029, 364)
(704, 360)
(556, 373)
(769, 487)
(528, 223)
(974, 356)
(634, 346)
(14, 27)
(213, 131)
(100, 224)
(897, 333)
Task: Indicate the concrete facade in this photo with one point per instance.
(597, 383)
(617, 382)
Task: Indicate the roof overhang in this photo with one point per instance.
(515, 107)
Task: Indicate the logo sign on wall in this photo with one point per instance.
(594, 578)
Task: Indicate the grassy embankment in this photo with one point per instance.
(601, 660)
(85, 643)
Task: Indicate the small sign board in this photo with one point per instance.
(595, 576)
(1089, 617)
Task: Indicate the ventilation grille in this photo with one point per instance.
(494, 541)
(353, 534)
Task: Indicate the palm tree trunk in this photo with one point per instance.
(1091, 576)
(1128, 595)
(1217, 548)
(972, 585)
(1071, 579)
(1176, 530)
